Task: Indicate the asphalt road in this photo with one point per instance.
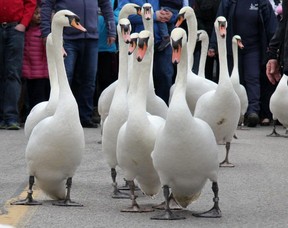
(253, 194)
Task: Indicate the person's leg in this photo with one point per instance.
(72, 48)
(13, 56)
(86, 78)
(251, 77)
(38, 91)
(163, 73)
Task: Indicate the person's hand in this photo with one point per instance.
(163, 15)
(110, 40)
(20, 28)
(273, 71)
(211, 52)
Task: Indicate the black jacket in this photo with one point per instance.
(278, 46)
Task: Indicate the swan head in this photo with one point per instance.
(124, 28)
(147, 11)
(202, 35)
(184, 13)
(128, 9)
(178, 40)
(67, 18)
(237, 40)
(144, 42)
(133, 42)
(220, 25)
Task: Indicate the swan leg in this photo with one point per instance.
(168, 214)
(125, 186)
(117, 194)
(225, 162)
(172, 204)
(215, 211)
(67, 201)
(274, 133)
(29, 199)
(135, 207)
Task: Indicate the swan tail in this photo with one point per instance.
(55, 191)
(184, 201)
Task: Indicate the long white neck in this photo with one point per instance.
(235, 71)
(223, 74)
(203, 55)
(192, 38)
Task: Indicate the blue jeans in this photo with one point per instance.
(11, 56)
(163, 73)
(81, 67)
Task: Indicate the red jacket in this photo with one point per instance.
(34, 59)
(17, 11)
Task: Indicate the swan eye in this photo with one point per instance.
(142, 42)
(177, 44)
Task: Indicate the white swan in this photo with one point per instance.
(105, 99)
(136, 137)
(203, 37)
(239, 89)
(220, 108)
(196, 86)
(55, 147)
(185, 153)
(45, 108)
(118, 112)
(279, 104)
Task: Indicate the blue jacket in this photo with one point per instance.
(103, 33)
(87, 10)
(266, 17)
(136, 20)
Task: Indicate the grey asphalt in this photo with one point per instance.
(253, 194)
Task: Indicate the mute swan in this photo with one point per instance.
(239, 89)
(45, 108)
(203, 37)
(220, 108)
(118, 112)
(55, 147)
(106, 96)
(185, 153)
(196, 86)
(136, 137)
(279, 104)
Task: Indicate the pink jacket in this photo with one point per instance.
(34, 59)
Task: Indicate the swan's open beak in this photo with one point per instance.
(76, 24)
(142, 48)
(176, 50)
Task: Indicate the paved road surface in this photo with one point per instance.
(253, 194)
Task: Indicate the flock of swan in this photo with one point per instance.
(174, 148)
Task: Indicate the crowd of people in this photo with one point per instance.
(91, 58)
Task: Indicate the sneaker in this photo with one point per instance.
(13, 126)
(164, 43)
(252, 120)
(3, 124)
(89, 124)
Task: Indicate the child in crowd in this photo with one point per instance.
(165, 28)
(35, 69)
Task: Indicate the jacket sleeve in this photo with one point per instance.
(28, 11)
(108, 15)
(47, 7)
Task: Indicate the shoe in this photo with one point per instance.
(252, 119)
(13, 126)
(3, 124)
(265, 122)
(164, 43)
(89, 124)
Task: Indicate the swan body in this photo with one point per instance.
(196, 86)
(45, 108)
(55, 147)
(279, 102)
(239, 89)
(220, 108)
(185, 152)
(136, 137)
